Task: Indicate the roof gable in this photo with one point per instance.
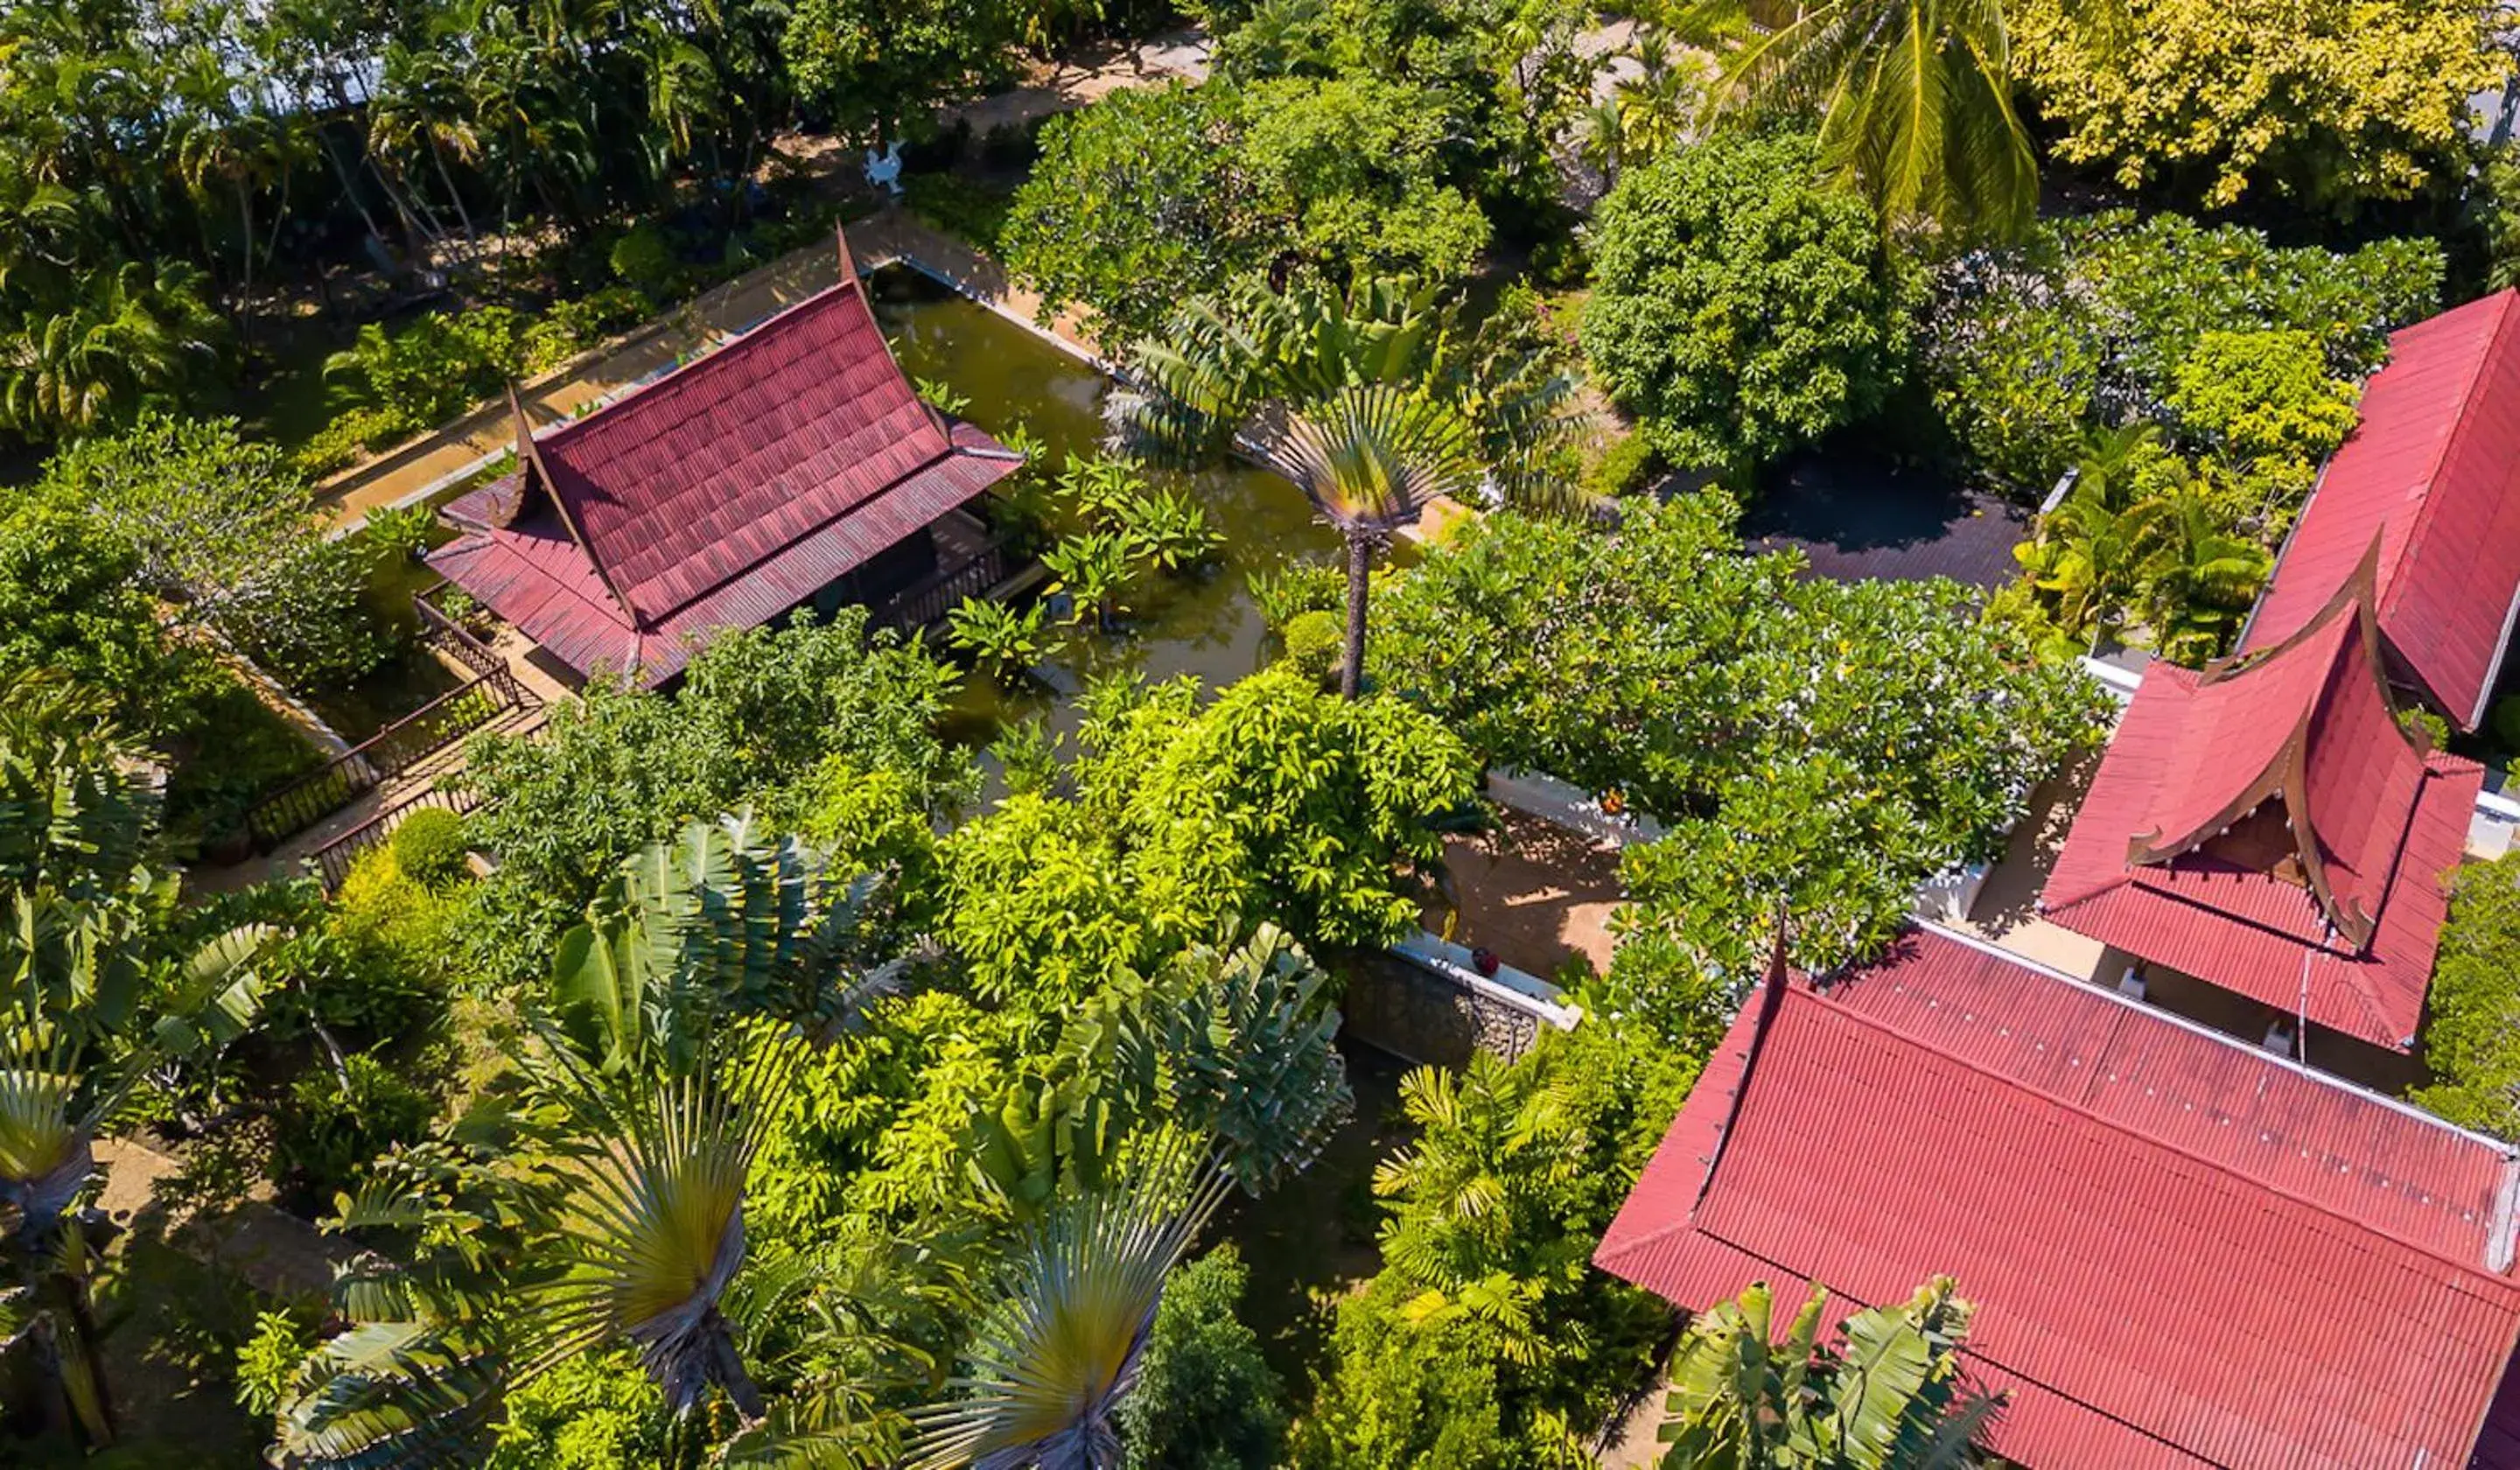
(2150, 1218)
(2433, 471)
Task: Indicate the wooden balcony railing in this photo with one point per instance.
(491, 691)
(925, 602)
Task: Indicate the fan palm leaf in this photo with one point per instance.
(1371, 457)
(1049, 1372)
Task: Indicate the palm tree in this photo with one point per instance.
(2198, 576)
(1891, 1397)
(1371, 459)
(1053, 1363)
(617, 1214)
(1493, 1139)
(123, 336)
(1915, 100)
(91, 1005)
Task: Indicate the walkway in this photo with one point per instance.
(416, 471)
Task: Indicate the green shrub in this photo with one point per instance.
(269, 1360)
(2471, 1038)
(645, 261)
(2504, 722)
(1315, 641)
(590, 1413)
(429, 846)
(2420, 721)
(1286, 592)
(960, 206)
(335, 1126)
(1621, 468)
(1205, 1399)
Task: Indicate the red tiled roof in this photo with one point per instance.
(2183, 1252)
(2267, 826)
(718, 497)
(2433, 470)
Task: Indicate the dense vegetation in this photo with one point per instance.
(762, 1074)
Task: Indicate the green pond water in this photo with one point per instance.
(1202, 624)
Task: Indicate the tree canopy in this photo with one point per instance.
(1739, 306)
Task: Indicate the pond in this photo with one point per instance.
(1203, 624)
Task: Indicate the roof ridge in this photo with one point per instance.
(2439, 458)
(1883, 1027)
(691, 368)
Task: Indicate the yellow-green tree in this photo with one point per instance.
(2327, 101)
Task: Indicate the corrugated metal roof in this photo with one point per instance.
(2269, 828)
(2433, 468)
(2183, 1252)
(717, 496)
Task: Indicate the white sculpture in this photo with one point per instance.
(883, 170)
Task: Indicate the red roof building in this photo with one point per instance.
(2269, 828)
(2183, 1252)
(719, 497)
(2433, 470)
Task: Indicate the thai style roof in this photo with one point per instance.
(717, 496)
(2269, 827)
(2433, 470)
(2183, 1252)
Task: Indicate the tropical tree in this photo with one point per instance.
(120, 337)
(1063, 1349)
(611, 1213)
(2199, 576)
(94, 1006)
(1890, 1398)
(1358, 396)
(1914, 99)
(1497, 1147)
(1371, 459)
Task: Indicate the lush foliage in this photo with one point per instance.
(1205, 1399)
(2328, 103)
(2088, 326)
(1892, 1396)
(1914, 99)
(226, 531)
(1740, 308)
(758, 716)
(1133, 205)
(1487, 1339)
(1817, 745)
(1276, 799)
(2470, 1037)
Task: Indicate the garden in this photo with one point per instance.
(926, 1048)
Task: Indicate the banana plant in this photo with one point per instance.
(1890, 1397)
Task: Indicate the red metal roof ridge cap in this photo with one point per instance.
(2510, 1153)
(559, 435)
(2458, 427)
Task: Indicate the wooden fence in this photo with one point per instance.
(334, 858)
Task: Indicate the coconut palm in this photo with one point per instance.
(1371, 459)
(123, 336)
(1891, 1397)
(1914, 99)
(1053, 1365)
